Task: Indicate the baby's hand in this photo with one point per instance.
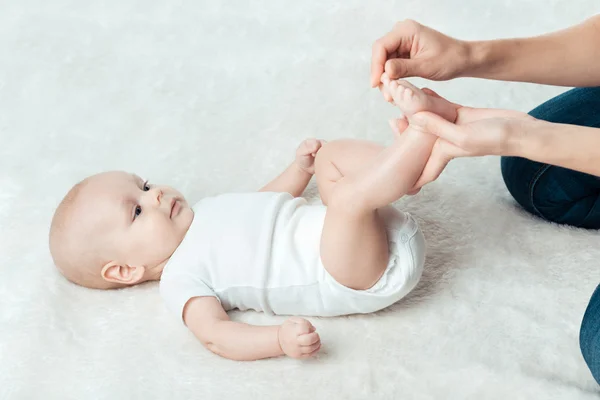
(298, 339)
(306, 153)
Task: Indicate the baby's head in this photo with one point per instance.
(114, 230)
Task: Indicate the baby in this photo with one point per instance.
(268, 251)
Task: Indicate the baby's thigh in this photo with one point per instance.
(340, 158)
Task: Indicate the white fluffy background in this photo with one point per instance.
(215, 96)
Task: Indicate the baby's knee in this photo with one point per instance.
(348, 198)
(325, 168)
(322, 158)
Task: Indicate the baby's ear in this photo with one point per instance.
(123, 274)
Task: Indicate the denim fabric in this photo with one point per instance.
(589, 335)
(564, 196)
(554, 193)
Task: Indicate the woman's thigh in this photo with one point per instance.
(589, 335)
(554, 193)
(564, 196)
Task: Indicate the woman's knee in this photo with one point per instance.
(567, 197)
(556, 194)
(589, 335)
(576, 106)
(519, 175)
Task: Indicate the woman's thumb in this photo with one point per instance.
(432, 123)
(397, 68)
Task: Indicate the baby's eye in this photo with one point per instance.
(138, 211)
(146, 186)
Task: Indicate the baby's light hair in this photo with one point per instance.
(71, 245)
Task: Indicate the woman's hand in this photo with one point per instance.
(412, 49)
(477, 132)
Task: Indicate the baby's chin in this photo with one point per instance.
(183, 216)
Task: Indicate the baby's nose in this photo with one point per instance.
(154, 196)
(158, 194)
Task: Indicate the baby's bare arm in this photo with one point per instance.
(293, 180)
(237, 341)
(297, 176)
(209, 322)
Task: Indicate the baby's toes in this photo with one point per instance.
(408, 95)
(393, 88)
(407, 85)
(384, 91)
(400, 97)
(414, 99)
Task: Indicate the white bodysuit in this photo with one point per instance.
(260, 251)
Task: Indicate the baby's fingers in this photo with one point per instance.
(310, 146)
(319, 144)
(307, 340)
(314, 146)
(309, 350)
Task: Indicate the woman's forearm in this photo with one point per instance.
(569, 146)
(564, 58)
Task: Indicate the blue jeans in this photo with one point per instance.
(564, 196)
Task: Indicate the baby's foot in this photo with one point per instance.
(410, 99)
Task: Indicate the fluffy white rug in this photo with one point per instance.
(215, 96)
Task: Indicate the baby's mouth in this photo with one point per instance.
(175, 206)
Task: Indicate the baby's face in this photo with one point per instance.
(143, 223)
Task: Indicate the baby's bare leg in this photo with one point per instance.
(339, 158)
(343, 157)
(335, 160)
(356, 178)
(354, 246)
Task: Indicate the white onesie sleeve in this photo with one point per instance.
(177, 290)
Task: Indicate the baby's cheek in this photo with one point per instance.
(158, 237)
(167, 236)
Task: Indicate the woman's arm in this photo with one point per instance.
(567, 57)
(481, 132)
(569, 146)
